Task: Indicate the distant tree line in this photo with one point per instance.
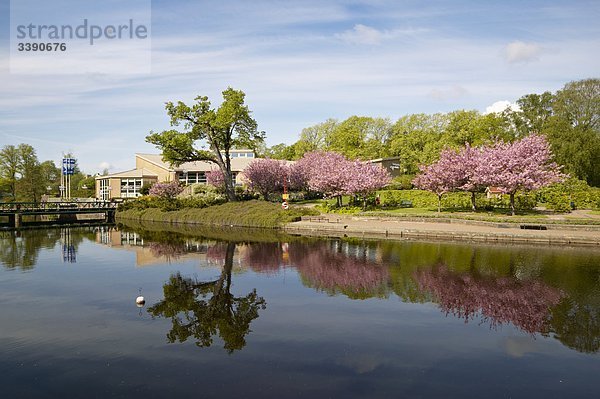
(24, 178)
(569, 118)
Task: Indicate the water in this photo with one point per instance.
(284, 317)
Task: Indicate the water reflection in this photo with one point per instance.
(496, 300)
(20, 249)
(205, 309)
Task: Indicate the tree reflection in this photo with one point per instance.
(168, 250)
(20, 249)
(498, 300)
(337, 272)
(203, 310)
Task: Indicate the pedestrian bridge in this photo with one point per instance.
(21, 214)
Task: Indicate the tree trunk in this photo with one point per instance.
(512, 203)
(473, 201)
(439, 203)
(339, 201)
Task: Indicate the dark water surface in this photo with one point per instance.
(252, 315)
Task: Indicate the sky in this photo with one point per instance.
(299, 63)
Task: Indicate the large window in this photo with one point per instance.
(192, 177)
(104, 190)
(130, 188)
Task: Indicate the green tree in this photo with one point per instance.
(416, 139)
(571, 120)
(222, 129)
(9, 169)
(31, 184)
(360, 137)
(316, 137)
(281, 151)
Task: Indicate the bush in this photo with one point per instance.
(557, 195)
(457, 200)
(403, 182)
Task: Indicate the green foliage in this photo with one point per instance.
(241, 214)
(457, 200)
(559, 196)
(209, 198)
(402, 182)
(223, 128)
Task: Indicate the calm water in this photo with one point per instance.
(244, 314)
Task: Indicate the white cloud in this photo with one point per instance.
(520, 52)
(361, 34)
(499, 106)
(105, 165)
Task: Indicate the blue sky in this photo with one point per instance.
(300, 63)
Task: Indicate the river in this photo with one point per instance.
(255, 314)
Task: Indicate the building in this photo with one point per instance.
(150, 168)
(391, 164)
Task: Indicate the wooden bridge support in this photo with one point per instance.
(15, 220)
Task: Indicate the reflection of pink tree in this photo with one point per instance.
(216, 253)
(335, 272)
(167, 249)
(525, 304)
(263, 257)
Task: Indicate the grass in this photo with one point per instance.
(240, 214)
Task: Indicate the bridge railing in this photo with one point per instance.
(55, 206)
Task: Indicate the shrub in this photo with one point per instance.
(403, 182)
(556, 195)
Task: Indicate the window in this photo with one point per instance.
(192, 177)
(250, 155)
(104, 190)
(130, 188)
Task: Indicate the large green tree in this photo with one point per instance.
(221, 129)
(570, 119)
(9, 169)
(32, 184)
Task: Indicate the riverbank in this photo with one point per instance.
(233, 214)
(308, 222)
(444, 229)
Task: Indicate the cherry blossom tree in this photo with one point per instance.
(469, 159)
(327, 172)
(266, 176)
(441, 177)
(366, 179)
(166, 190)
(334, 175)
(523, 165)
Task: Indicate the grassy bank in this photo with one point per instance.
(239, 214)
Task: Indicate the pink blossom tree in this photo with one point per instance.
(523, 165)
(366, 179)
(327, 173)
(469, 159)
(166, 189)
(266, 176)
(216, 179)
(441, 177)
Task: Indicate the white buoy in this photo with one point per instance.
(140, 300)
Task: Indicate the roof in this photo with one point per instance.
(237, 164)
(130, 173)
(383, 159)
